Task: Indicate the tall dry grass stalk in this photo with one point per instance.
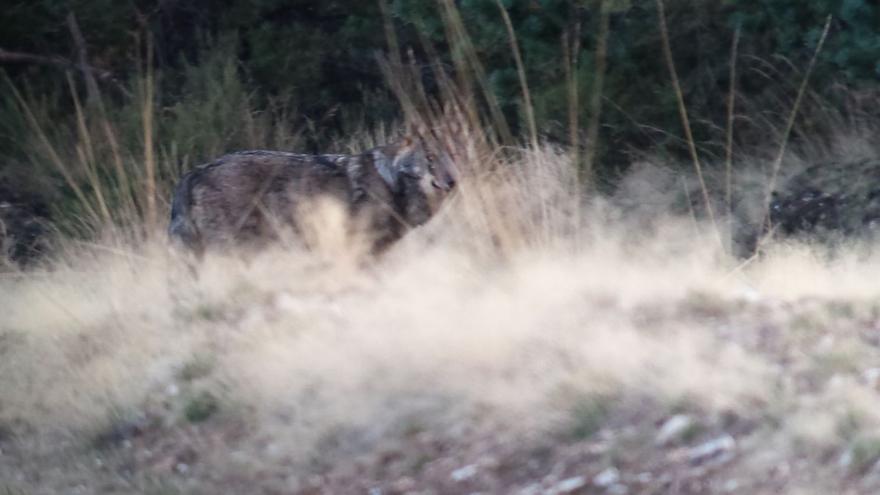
(570, 48)
(528, 108)
(86, 154)
(728, 138)
(597, 91)
(685, 121)
(729, 129)
(151, 217)
(470, 71)
(776, 165)
(390, 33)
(47, 147)
(792, 117)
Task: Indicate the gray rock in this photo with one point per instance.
(618, 489)
(533, 489)
(871, 377)
(674, 429)
(607, 477)
(465, 473)
(570, 485)
(720, 450)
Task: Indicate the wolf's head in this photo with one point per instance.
(420, 171)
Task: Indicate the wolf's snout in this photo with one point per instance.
(445, 186)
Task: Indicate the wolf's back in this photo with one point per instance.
(247, 196)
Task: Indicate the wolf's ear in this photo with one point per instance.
(409, 163)
(386, 169)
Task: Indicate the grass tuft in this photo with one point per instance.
(201, 407)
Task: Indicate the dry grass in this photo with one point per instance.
(519, 302)
(553, 333)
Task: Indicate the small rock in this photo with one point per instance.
(618, 489)
(731, 486)
(570, 485)
(375, 491)
(749, 294)
(826, 343)
(846, 459)
(465, 473)
(645, 478)
(533, 489)
(607, 477)
(274, 450)
(872, 378)
(172, 390)
(718, 449)
(181, 468)
(404, 485)
(674, 429)
(781, 471)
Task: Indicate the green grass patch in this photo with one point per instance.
(865, 454)
(199, 366)
(588, 415)
(201, 407)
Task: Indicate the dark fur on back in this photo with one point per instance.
(248, 197)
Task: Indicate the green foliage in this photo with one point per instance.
(200, 407)
(792, 27)
(199, 366)
(206, 110)
(865, 454)
(589, 414)
(232, 74)
(320, 55)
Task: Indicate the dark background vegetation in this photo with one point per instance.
(231, 74)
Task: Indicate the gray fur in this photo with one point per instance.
(241, 198)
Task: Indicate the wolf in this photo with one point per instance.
(250, 197)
